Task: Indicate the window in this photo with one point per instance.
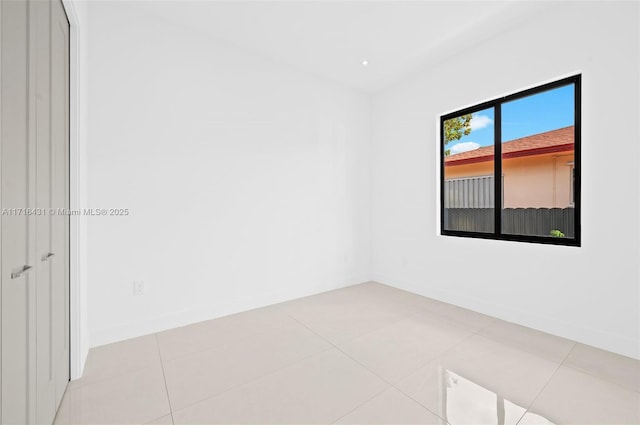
(530, 139)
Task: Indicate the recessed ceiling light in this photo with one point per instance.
(365, 62)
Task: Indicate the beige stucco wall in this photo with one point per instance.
(541, 181)
(469, 170)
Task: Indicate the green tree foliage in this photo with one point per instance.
(455, 128)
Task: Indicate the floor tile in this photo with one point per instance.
(317, 390)
(377, 292)
(479, 381)
(394, 351)
(329, 358)
(390, 407)
(134, 398)
(426, 304)
(343, 324)
(531, 418)
(204, 374)
(539, 343)
(346, 314)
(465, 317)
(109, 361)
(368, 293)
(574, 397)
(612, 367)
(219, 332)
(165, 420)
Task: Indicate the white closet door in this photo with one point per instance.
(34, 168)
(17, 164)
(60, 196)
(45, 376)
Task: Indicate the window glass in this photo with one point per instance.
(469, 188)
(510, 167)
(537, 158)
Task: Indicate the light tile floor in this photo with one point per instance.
(366, 354)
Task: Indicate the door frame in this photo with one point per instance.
(78, 334)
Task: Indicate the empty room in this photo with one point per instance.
(320, 212)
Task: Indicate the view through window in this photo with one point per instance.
(511, 167)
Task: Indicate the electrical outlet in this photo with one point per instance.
(138, 288)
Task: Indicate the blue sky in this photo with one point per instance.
(541, 112)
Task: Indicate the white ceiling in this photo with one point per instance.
(332, 38)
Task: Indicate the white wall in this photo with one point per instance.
(589, 294)
(248, 182)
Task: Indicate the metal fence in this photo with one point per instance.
(469, 192)
(520, 221)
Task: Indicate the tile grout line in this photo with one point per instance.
(331, 346)
(471, 335)
(76, 385)
(164, 378)
(546, 384)
(593, 375)
(271, 372)
(600, 378)
(391, 385)
(361, 404)
(395, 322)
(202, 350)
(447, 319)
(560, 365)
(462, 340)
(311, 330)
(420, 310)
(250, 380)
(528, 409)
(345, 354)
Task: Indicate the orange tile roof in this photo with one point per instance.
(559, 140)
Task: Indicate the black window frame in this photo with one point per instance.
(496, 104)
